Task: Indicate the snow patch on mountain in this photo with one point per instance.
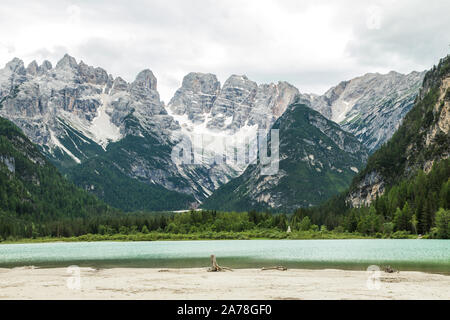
(102, 129)
(58, 144)
(209, 143)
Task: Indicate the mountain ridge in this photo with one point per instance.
(77, 114)
(371, 106)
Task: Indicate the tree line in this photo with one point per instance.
(418, 205)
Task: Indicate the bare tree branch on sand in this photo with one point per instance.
(215, 267)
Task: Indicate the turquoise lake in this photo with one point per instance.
(420, 255)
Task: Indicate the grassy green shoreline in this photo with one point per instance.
(247, 235)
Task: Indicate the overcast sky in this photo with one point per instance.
(313, 44)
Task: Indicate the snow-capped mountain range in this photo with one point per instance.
(77, 113)
(82, 116)
(43, 101)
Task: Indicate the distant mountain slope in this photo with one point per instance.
(371, 106)
(119, 176)
(422, 140)
(317, 160)
(31, 189)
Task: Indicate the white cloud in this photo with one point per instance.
(312, 44)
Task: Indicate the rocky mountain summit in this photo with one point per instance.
(196, 96)
(228, 117)
(239, 103)
(43, 101)
(371, 106)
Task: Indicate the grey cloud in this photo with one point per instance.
(264, 39)
(413, 34)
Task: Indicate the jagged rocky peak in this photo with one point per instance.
(119, 85)
(234, 103)
(12, 75)
(239, 86)
(44, 67)
(240, 102)
(144, 97)
(67, 62)
(371, 106)
(52, 103)
(238, 92)
(271, 101)
(196, 96)
(93, 75)
(33, 68)
(255, 104)
(367, 91)
(205, 83)
(145, 80)
(15, 73)
(15, 65)
(81, 71)
(239, 89)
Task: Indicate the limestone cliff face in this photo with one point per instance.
(196, 96)
(367, 190)
(440, 127)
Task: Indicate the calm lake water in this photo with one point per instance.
(421, 255)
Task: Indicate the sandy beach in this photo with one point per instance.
(182, 284)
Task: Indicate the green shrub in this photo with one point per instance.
(401, 235)
(443, 223)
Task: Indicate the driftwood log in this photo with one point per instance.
(389, 269)
(215, 267)
(280, 268)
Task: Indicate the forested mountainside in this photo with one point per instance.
(422, 140)
(33, 191)
(405, 185)
(317, 160)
